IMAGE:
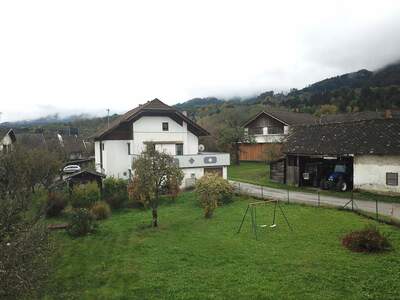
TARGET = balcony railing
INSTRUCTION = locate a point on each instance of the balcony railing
(203, 159)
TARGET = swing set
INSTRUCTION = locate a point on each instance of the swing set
(252, 207)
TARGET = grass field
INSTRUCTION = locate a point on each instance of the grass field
(190, 257)
(258, 173)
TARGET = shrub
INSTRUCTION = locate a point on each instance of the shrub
(101, 210)
(368, 239)
(115, 192)
(84, 196)
(81, 222)
(135, 194)
(55, 203)
(212, 191)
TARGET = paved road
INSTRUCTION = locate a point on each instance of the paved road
(384, 208)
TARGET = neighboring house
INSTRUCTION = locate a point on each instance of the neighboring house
(268, 130)
(7, 140)
(168, 129)
(369, 150)
(75, 148)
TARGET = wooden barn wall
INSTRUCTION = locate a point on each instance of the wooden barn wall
(277, 171)
(260, 152)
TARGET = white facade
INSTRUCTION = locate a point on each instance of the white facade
(370, 172)
(114, 157)
(6, 143)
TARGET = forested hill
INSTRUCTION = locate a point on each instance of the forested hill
(357, 91)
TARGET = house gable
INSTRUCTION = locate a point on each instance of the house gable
(119, 128)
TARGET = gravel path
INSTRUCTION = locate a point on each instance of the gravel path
(384, 208)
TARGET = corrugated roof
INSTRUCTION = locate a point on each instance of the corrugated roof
(362, 137)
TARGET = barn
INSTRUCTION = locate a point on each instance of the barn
(366, 153)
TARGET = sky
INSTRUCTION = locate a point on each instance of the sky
(73, 57)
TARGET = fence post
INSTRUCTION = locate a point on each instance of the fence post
(352, 201)
(376, 207)
(239, 188)
(288, 195)
(319, 199)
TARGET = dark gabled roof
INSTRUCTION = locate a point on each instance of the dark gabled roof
(356, 116)
(81, 173)
(357, 138)
(7, 131)
(285, 117)
(152, 107)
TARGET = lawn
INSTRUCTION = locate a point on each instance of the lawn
(190, 257)
(258, 173)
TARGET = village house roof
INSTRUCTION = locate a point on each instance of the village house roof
(285, 117)
(358, 116)
(380, 137)
(152, 108)
(4, 131)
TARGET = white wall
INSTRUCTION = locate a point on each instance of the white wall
(149, 129)
(116, 160)
(270, 138)
(97, 156)
(370, 172)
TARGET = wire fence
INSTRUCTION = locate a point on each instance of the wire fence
(379, 210)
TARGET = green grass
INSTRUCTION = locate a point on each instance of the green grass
(258, 173)
(190, 257)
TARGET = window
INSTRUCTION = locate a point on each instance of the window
(129, 148)
(165, 126)
(392, 179)
(292, 161)
(179, 149)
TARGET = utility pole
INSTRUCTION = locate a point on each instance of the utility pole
(108, 118)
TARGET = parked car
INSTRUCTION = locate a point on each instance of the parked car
(72, 169)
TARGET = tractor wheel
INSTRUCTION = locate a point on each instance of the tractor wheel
(342, 185)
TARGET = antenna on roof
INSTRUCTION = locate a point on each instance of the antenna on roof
(108, 118)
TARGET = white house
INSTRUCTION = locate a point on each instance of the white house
(7, 140)
(170, 130)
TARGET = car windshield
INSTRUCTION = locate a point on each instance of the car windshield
(340, 168)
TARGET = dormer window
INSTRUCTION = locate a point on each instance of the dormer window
(165, 126)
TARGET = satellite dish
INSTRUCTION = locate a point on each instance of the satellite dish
(201, 148)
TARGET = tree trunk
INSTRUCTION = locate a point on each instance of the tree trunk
(155, 217)
(237, 153)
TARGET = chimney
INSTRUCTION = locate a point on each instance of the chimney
(387, 114)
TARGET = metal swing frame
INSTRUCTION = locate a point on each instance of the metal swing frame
(253, 214)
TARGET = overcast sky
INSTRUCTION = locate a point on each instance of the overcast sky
(82, 56)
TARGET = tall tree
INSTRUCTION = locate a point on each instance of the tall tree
(24, 240)
(154, 172)
(232, 133)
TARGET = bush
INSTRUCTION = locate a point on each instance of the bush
(81, 222)
(368, 239)
(115, 192)
(84, 196)
(55, 204)
(135, 193)
(101, 210)
(213, 190)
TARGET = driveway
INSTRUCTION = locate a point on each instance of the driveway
(384, 208)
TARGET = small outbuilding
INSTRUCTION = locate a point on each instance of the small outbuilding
(365, 155)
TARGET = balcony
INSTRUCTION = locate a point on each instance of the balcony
(200, 160)
(203, 159)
